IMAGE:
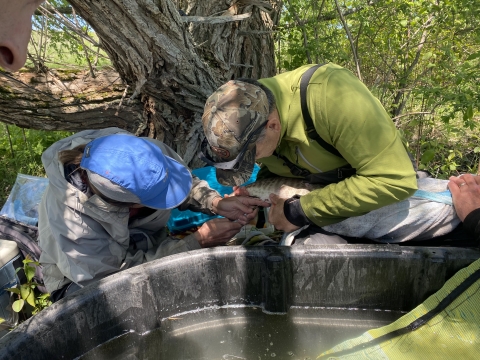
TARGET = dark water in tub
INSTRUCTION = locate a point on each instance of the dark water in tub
(236, 333)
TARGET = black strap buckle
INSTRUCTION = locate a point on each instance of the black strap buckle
(343, 173)
(298, 171)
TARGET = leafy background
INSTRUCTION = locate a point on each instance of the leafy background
(420, 58)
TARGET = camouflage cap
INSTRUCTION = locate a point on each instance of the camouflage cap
(231, 117)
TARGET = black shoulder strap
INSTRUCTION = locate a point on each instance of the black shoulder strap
(311, 132)
(294, 169)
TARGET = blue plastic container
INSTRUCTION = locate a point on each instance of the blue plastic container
(184, 220)
(26, 194)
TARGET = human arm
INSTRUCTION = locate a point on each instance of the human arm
(83, 251)
(277, 216)
(241, 208)
(465, 191)
(349, 117)
(203, 198)
(212, 233)
(216, 232)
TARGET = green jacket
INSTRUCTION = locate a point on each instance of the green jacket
(346, 115)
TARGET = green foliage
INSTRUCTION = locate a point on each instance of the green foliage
(20, 152)
(26, 292)
(420, 58)
(64, 41)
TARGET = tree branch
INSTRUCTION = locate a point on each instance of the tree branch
(350, 39)
(66, 10)
(304, 33)
(36, 101)
(333, 15)
(214, 19)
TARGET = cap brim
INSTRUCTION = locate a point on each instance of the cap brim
(177, 190)
(244, 172)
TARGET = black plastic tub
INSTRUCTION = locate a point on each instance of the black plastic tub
(385, 279)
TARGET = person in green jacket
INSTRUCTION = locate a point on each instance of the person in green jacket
(261, 121)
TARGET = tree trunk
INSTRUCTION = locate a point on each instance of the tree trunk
(170, 62)
(66, 100)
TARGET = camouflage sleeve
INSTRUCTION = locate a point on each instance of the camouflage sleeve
(200, 198)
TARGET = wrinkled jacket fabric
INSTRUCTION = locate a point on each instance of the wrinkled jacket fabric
(346, 115)
(84, 239)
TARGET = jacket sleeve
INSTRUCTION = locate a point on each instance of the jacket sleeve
(350, 118)
(80, 249)
(84, 260)
(159, 245)
(201, 196)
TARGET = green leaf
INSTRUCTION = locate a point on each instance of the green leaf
(18, 305)
(44, 296)
(476, 150)
(453, 167)
(474, 56)
(404, 23)
(27, 294)
(29, 272)
(14, 290)
(470, 111)
(427, 156)
(427, 55)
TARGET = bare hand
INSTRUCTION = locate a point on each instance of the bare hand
(276, 217)
(240, 191)
(465, 191)
(216, 232)
(240, 208)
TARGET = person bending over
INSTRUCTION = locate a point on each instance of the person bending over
(107, 203)
(350, 139)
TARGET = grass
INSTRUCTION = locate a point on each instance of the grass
(20, 152)
(446, 149)
(61, 50)
(21, 149)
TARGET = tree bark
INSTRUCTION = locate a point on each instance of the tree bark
(171, 63)
(66, 100)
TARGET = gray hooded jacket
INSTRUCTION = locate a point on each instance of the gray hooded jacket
(84, 239)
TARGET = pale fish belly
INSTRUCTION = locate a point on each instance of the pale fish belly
(282, 186)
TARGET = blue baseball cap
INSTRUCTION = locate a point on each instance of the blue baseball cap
(132, 169)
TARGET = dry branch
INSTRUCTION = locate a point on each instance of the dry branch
(214, 19)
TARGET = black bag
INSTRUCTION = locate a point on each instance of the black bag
(26, 238)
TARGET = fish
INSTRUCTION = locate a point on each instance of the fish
(284, 187)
